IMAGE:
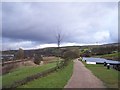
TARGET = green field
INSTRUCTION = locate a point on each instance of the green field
(55, 80)
(113, 56)
(109, 77)
(23, 72)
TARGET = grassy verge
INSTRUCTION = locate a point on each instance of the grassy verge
(109, 77)
(54, 80)
(23, 72)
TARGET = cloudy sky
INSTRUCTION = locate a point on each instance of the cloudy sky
(32, 25)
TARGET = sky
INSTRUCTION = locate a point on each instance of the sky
(33, 25)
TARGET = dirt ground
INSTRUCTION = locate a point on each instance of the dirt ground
(83, 78)
(49, 59)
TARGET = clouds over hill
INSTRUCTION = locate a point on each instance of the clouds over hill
(30, 25)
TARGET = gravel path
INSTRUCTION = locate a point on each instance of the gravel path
(83, 78)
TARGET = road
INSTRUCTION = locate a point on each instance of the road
(83, 78)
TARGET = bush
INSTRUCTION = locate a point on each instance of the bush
(71, 54)
(20, 54)
(37, 59)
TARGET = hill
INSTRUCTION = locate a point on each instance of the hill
(53, 51)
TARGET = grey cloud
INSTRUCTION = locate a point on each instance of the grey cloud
(78, 22)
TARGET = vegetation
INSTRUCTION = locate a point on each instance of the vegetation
(53, 51)
(85, 52)
(37, 59)
(104, 49)
(23, 72)
(49, 59)
(71, 54)
(54, 80)
(113, 56)
(108, 76)
(20, 54)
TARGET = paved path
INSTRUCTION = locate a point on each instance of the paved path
(83, 78)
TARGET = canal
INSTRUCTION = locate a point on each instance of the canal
(113, 64)
(100, 60)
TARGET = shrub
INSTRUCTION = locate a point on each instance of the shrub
(70, 54)
(37, 59)
(20, 54)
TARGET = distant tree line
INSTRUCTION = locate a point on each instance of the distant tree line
(53, 51)
(104, 50)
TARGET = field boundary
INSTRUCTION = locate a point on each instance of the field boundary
(9, 65)
(33, 77)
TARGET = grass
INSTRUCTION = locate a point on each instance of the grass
(109, 77)
(54, 80)
(23, 72)
(110, 56)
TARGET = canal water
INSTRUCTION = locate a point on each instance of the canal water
(100, 60)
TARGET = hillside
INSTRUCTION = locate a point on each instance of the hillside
(53, 51)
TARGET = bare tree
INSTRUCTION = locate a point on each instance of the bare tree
(59, 39)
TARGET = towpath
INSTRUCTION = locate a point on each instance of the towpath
(83, 78)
